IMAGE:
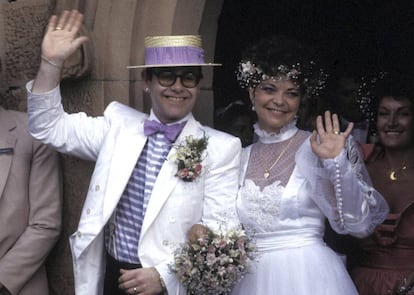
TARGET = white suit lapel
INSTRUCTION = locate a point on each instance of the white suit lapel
(128, 147)
(166, 180)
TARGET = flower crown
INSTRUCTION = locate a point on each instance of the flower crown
(313, 80)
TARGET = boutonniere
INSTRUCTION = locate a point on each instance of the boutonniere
(189, 157)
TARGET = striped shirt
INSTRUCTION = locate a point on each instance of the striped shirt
(123, 239)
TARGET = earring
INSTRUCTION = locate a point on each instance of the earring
(146, 89)
(252, 101)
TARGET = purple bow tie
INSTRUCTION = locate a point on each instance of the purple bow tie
(170, 131)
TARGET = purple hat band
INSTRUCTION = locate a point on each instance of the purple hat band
(173, 51)
(174, 55)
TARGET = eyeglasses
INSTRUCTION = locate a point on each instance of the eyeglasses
(168, 78)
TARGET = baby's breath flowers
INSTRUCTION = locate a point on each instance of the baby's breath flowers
(213, 264)
(189, 157)
(313, 79)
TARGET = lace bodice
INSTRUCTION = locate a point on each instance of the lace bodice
(302, 190)
(278, 208)
(260, 209)
(281, 151)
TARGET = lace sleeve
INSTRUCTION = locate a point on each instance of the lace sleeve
(343, 190)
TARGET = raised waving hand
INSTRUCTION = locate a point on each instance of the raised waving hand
(59, 42)
(327, 141)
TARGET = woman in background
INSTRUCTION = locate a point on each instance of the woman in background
(386, 263)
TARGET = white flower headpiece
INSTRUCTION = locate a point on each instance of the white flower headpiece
(312, 79)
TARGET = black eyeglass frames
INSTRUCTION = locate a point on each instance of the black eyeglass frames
(168, 78)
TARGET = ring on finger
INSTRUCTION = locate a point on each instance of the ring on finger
(58, 28)
(135, 289)
(337, 132)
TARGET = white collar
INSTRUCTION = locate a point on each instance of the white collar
(152, 116)
(285, 133)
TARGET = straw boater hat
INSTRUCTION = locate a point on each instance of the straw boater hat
(173, 51)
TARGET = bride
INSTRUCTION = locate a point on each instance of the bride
(293, 180)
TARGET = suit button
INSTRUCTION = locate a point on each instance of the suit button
(79, 234)
(88, 211)
(97, 187)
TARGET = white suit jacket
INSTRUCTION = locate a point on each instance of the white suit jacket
(115, 142)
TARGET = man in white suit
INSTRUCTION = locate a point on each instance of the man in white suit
(138, 210)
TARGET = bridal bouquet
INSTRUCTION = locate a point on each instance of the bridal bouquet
(214, 263)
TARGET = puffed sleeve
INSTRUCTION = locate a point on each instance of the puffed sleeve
(343, 190)
(222, 183)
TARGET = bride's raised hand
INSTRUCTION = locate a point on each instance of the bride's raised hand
(327, 141)
(61, 38)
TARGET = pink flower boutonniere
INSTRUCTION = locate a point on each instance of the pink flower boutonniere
(189, 157)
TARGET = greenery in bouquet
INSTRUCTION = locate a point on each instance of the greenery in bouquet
(189, 157)
(214, 263)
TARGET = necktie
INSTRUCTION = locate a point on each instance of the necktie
(170, 131)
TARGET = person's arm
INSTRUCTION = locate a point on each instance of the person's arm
(358, 206)
(60, 41)
(222, 184)
(339, 182)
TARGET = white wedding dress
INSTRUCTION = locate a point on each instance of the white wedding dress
(286, 214)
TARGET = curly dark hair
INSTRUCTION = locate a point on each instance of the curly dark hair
(395, 85)
(282, 56)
